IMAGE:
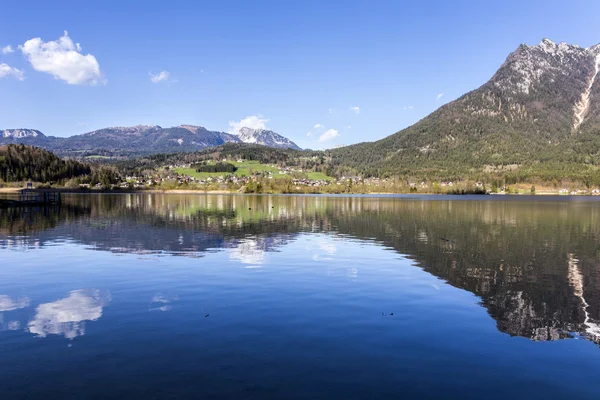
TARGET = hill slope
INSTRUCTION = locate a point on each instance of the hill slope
(26, 163)
(539, 110)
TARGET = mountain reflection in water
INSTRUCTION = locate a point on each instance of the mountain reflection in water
(534, 262)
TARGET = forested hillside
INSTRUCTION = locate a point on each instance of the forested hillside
(27, 163)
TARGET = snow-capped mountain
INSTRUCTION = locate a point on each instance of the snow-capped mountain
(266, 138)
(20, 133)
(143, 139)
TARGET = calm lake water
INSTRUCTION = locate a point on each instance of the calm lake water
(301, 297)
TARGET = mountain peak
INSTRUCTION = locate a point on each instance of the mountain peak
(247, 130)
(547, 43)
(140, 127)
(20, 133)
(135, 130)
(192, 128)
(527, 68)
(265, 137)
(550, 47)
(595, 49)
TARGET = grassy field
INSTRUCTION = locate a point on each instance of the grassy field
(200, 175)
(246, 168)
(318, 176)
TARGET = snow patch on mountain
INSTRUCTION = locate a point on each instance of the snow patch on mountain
(20, 133)
(266, 138)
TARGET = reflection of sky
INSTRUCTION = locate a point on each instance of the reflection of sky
(325, 250)
(247, 252)
(258, 244)
(8, 304)
(67, 316)
(160, 302)
(8, 325)
(252, 251)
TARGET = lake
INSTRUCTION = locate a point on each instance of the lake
(301, 297)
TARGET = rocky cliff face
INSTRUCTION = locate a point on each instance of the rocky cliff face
(549, 81)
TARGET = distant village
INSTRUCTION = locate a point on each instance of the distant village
(167, 176)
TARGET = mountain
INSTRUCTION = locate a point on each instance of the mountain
(265, 138)
(20, 133)
(146, 139)
(142, 139)
(539, 113)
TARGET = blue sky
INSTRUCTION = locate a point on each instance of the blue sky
(346, 71)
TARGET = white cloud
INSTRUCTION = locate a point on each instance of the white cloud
(160, 77)
(408, 107)
(309, 134)
(319, 126)
(355, 109)
(331, 111)
(439, 96)
(328, 135)
(7, 49)
(252, 121)
(6, 71)
(63, 60)
(349, 126)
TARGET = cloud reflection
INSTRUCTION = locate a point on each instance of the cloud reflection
(14, 325)
(67, 316)
(8, 326)
(327, 248)
(248, 251)
(8, 304)
(161, 302)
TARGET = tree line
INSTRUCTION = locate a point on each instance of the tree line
(22, 163)
(19, 163)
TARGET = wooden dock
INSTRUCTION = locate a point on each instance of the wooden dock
(28, 197)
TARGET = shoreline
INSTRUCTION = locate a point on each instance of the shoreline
(196, 191)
